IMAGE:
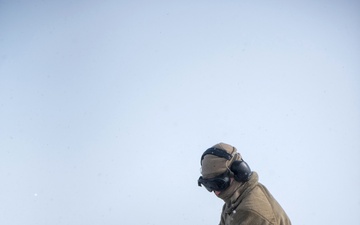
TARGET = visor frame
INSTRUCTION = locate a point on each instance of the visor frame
(218, 183)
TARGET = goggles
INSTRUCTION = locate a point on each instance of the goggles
(218, 183)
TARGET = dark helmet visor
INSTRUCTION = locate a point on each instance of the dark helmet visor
(218, 183)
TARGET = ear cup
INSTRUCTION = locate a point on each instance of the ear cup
(241, 170)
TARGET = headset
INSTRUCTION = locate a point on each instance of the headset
(239, 168)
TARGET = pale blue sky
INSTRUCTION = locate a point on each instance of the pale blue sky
(107, 106)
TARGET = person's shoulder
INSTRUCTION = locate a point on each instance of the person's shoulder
(257, 203)
(250, 216)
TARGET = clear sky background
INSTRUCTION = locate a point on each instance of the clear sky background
(107, 106)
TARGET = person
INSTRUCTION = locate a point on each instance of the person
(247, 201)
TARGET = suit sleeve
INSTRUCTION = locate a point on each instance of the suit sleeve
(222, 219)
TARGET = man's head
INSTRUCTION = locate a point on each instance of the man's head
(219, 164)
